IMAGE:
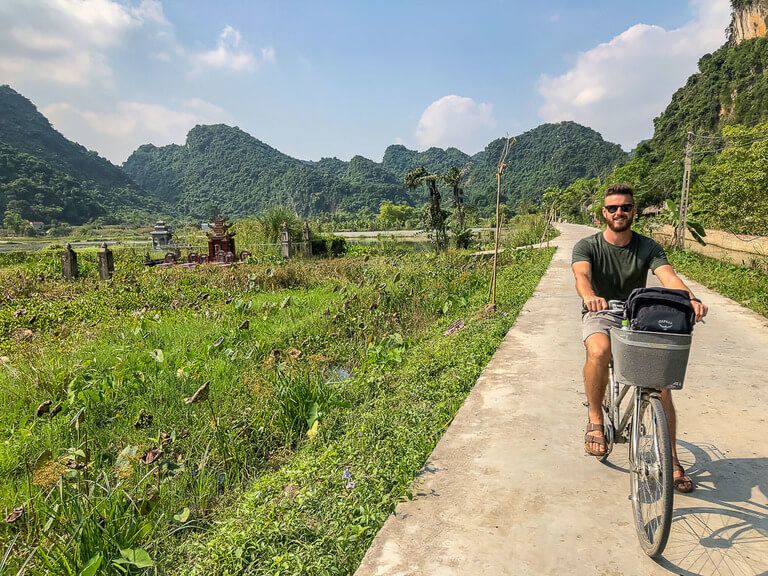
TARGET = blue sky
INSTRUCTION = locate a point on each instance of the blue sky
(338, 78)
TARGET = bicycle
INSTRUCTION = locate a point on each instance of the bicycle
(643, 424)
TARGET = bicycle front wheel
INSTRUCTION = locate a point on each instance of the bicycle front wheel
(651, 476)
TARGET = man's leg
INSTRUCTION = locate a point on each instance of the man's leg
(669, 408)
(598, 347)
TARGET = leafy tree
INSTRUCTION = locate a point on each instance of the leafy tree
(13, 222)
(393, 215)
(271, 223)
(733, 192)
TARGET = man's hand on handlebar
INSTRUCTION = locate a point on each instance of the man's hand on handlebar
(699, 309)
(595, 304)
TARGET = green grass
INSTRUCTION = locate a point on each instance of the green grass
(251, 479)
(747, 286)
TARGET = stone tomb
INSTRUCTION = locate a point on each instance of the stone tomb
(161, 235)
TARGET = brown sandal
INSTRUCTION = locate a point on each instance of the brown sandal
(684, 483)
(599, 440)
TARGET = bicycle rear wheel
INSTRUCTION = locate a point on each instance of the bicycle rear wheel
(651, 476)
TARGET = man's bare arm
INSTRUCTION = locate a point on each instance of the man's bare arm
(582, 271)
(669, 279)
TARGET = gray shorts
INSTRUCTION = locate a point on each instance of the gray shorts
(599, 322)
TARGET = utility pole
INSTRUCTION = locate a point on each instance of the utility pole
(679, 240)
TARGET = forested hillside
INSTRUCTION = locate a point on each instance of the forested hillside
(223, 168)
(44, 176)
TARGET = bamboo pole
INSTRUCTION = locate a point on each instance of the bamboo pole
(499, 171)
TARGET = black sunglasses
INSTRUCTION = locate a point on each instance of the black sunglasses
(624, 208)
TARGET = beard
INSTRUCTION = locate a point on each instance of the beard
(621, 225)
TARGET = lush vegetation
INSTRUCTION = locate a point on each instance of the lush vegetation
(224, 169)
(316, 387)
(45, 177)
(726, 105)
(747, 286)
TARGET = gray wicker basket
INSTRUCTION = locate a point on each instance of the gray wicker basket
(650, 359)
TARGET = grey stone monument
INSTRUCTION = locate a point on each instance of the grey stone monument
(285, 241)
(161, 236)
(306, 235)
(69, 263)
(106, 262)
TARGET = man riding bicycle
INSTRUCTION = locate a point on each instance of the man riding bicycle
(608, 266)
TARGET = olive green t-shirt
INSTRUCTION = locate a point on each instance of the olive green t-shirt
(617, 270)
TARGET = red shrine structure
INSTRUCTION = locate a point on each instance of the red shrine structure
(220, 240)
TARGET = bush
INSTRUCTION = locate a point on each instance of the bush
(331, 246)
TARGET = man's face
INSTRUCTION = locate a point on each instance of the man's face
(617, 218)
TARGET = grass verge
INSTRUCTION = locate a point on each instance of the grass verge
(747, 286)
(319, 513)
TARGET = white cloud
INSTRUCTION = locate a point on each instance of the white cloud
(618, 87)
(118, 132)
(268, 54)
(68, 41)
(231, 53)
(455, 121)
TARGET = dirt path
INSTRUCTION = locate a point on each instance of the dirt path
(508, 489)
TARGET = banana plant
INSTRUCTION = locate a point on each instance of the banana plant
(671, 216)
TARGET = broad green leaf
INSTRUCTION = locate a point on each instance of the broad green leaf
(138, 557)
(92, 567)
(182, 516)
(312, 414)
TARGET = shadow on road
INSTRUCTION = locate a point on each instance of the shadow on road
(728, 533)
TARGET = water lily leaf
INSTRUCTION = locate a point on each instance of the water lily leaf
(182, 516)
(137, 557)
(92, 566)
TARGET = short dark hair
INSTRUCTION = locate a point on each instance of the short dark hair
(620, 188)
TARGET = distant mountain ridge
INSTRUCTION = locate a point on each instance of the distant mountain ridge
(219, 168)
(224, 168)
(45, 176)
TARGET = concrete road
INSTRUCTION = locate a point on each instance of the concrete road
(508, 489)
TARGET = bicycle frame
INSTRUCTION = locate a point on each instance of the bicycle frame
(621, 432)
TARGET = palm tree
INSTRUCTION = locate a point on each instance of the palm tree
(435, 223)
(454, 178)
